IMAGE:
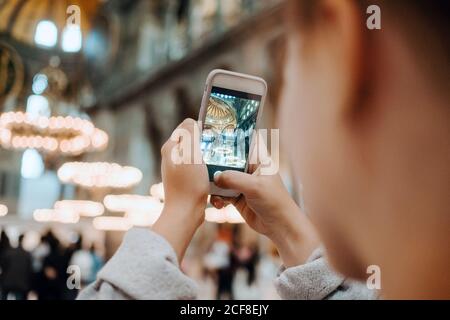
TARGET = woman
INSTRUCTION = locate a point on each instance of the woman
(365, 120)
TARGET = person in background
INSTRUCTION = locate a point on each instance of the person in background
(220, 263)
(4, 246)
(365, 120)
(17, 272)
(39, 255)
(68, 258)
(245, 257)
(248, 257)
(52, 283)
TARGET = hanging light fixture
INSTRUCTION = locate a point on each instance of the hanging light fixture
(51, 121)
(140, 211)
(56, 215)
(66, 135)
(99, 174)
(131, 202)
(82, 207)
(142, 219)
(112, 223)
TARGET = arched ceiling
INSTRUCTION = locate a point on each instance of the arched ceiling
(19, 18)
(220, 114)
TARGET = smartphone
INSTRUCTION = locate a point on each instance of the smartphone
(230, 113)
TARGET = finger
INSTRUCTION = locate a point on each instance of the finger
(220, 202)
(177, 136)
(168, 147)
(191, 128)
(239, 203)
(256, 170)
(235, 180)
(217, 202)
(252, 168)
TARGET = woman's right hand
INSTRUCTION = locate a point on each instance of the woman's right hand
(268, 208)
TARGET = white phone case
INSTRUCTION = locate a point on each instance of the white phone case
(239, 82)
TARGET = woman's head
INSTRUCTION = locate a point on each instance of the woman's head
(366, 121)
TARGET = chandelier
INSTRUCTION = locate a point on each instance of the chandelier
(142, 219)
(131, 202)
(66, 135)
(112, 224)
(56, 215)
(52, 120)
(69, 211)
(82, 207)
(99, 175)
(141, 211)
(138, 211)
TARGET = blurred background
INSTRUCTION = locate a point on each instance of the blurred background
(89, 92)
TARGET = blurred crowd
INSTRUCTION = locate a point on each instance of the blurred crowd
(238, 269)
(43, 273)
(229, 269)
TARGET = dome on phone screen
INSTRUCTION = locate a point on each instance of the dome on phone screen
(220, 115)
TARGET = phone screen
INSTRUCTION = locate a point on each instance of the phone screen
(228, 129)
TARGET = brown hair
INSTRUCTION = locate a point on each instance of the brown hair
(432, 13)
(425, 25)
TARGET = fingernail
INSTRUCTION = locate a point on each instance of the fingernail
(217, 174)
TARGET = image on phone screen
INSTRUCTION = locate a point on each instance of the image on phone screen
(228, 129)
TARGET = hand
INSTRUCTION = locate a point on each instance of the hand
(186, 187)
(267, 207)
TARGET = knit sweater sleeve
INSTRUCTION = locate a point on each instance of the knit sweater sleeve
(315, 280)
(145, 267)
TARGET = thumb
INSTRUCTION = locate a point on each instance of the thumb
(236, 180)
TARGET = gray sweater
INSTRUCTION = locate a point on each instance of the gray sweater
(146, 267)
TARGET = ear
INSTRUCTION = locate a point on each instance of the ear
(341, 41)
